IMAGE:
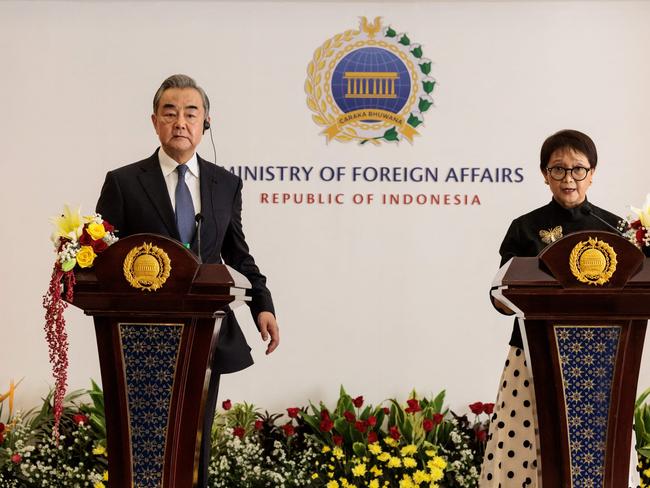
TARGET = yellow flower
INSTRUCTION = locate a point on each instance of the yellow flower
(406, 482)
(105, 475)
(408, 450)
(439, 462)
(394, 462)
(644, 212)
(96, 231)
(390, 441)
(99, 484)
(338, 453)
(373, 484)
(314, 476)
(332, 484)
(384, 456)
(99, 450)
(409, 462)
(86, 256)
(375, 448)
(326, 449)
(68, 224)
(436, 473)
(430, 452)
(359, 470)
(421, 477)
(376, 471)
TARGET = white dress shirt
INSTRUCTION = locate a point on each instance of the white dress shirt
(168, 166)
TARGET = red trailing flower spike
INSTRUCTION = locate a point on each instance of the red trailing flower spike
(56, 336)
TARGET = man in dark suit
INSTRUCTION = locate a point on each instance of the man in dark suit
(162, 194)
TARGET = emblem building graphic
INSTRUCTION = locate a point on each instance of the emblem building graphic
(369, 85)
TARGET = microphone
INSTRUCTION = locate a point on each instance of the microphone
(589, 211)
(199, 220)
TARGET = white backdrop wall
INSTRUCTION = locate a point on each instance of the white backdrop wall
(379, 298)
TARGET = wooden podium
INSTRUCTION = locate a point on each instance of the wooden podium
(584, 341)
(157, 313)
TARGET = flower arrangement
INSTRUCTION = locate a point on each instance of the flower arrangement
(30, 457)
(637, 228)
(77, 242)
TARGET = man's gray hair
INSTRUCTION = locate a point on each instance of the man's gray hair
(181, 81)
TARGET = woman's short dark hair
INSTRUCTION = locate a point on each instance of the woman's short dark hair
(568, 139)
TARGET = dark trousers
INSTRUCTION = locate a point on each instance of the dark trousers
(208, 419)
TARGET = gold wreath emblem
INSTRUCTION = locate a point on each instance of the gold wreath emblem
(147, 267)
(593, 261)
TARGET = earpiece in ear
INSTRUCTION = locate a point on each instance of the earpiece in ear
(206, 125)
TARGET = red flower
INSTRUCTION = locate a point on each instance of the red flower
(108, 227)
(16, 458)
(394, 432)
(324, 414)
(349, 416)
(476, 408)
(372, 437)
(428, 425)
(2, 427)
(239, 432)
(437, 418)
(80, 418)
(481, 435)
(288, 429)
(636, 224)
(386, 410)
(488, 408)
(2, 438)
(372, 421)
(326, 425)
(337, 439)
(360, 426)
(227, 405)
(413, 406)
(293, 412)
(640, 235)
(259, 425)
(98, 245)
(358, 401)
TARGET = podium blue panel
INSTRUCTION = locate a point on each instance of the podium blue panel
(150, 354)
(587, 360)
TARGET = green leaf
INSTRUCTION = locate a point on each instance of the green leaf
(428, 86)
(69, 265)
(391, 134)
(413, 121)
(417, 52)
(641, 398)
(424, 105)
(359, 449)
(404, 40)
(425, 67)
(439, 401)
(390, 32)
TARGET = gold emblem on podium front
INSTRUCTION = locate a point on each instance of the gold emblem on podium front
(593, 261)
(147, 267)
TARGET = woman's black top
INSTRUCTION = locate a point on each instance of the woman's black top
(529, 234)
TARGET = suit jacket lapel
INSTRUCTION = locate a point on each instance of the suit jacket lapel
(153, 182)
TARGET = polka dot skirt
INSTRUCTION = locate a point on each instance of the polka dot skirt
(511, 454)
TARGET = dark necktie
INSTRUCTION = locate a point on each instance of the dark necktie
(184, 207)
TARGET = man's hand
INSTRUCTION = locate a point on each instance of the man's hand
(269, 327)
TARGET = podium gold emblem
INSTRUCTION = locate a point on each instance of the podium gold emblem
(593, 261)
(147, 267)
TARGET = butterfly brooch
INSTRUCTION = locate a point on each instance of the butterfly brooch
(551, 235)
